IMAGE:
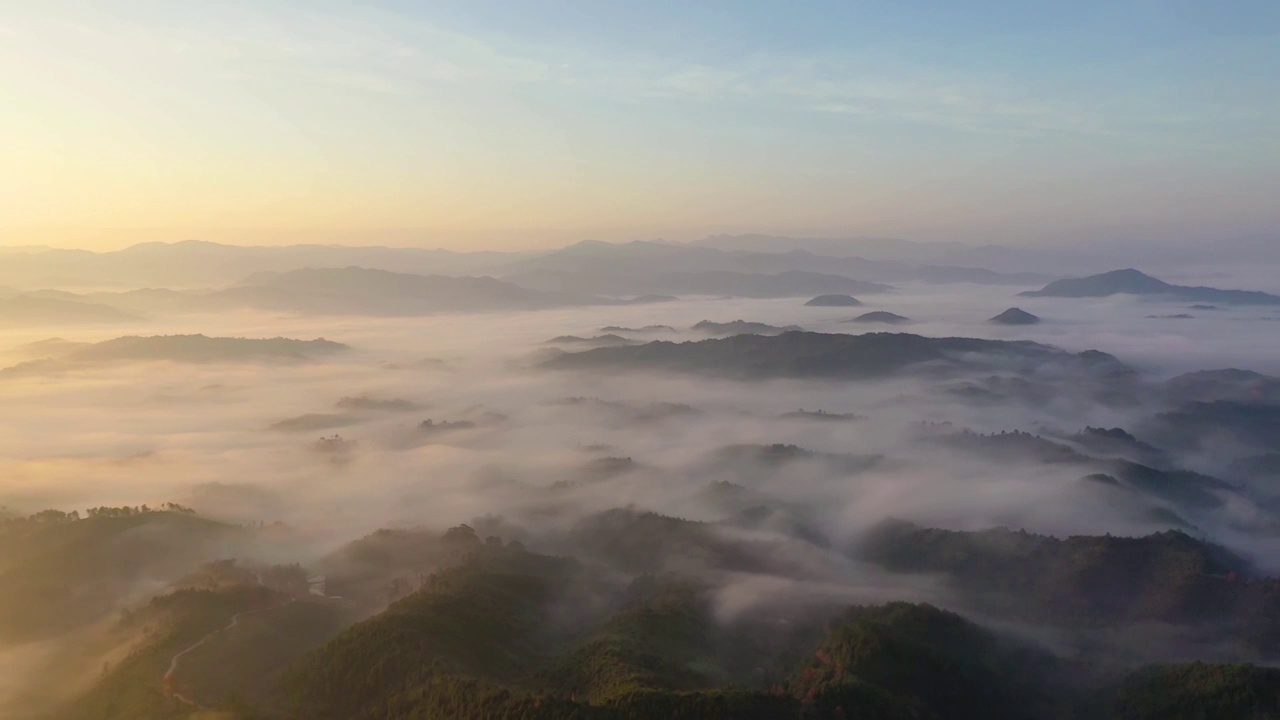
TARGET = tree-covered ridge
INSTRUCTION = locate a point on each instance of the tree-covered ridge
(59, 571)
(487, 629)
(819, 355)
(1246, 426)
(1167, 577)
(898, 661)
(484, 618)
(1191, 692)
(919, 660)
(195, 349)
(640, 542)
(245, 662)
(470, 644)
(201, 348)
(137, 687)
(660, 639)
(14, 521)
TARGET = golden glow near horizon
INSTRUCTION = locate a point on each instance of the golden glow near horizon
(273, 122)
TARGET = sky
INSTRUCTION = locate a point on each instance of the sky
(474, 124)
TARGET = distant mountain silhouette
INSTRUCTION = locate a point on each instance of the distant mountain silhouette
(359, 291)
(184, 349)
(622, 264)
(739, 327)
(346, 291)
(1133, 282)
(834, 301)
(620, 277)
(887, 248)
(200, 348)
(50, 348)
(194, 263)
(144, 300)
(594, 268)
(29, 311)
(1015, 316)
(881, 316)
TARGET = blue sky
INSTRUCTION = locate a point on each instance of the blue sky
(516, 124)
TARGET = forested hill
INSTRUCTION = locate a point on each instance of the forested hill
(494, 638)
(480, 628)
(820, 355)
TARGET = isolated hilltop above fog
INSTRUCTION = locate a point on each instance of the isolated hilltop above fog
(1015, 316)
(1133, 282)
(881, 316)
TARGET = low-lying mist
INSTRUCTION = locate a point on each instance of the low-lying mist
(436, 421)
(220, 435)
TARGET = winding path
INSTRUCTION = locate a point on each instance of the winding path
(167, 682)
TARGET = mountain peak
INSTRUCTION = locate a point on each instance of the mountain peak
(1130, 274)
(588, 246)
(1015, 316)
(1127, 281)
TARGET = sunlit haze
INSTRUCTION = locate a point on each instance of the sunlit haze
(596, 360)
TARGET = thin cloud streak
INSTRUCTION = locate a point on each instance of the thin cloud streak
(384, 54)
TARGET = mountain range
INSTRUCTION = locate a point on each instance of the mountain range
(29, 311)
(200, 264)
(338, 291)
(1077, 257)
(592, 267)
(360, 291)
(625, 279)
